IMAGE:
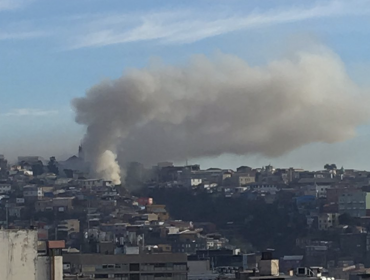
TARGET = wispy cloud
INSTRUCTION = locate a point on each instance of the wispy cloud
(21, 35)
(23, 112)
(181, 27)
(12, 4)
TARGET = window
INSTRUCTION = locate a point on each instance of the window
(163, 276)
(180, 266)
(147, 276)
(147, 267)
(179, 276)
(160, 266)
(134, 276)
(101, 276)
(121, 276)
(134, 267)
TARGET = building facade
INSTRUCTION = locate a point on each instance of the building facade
(328, 220)
(21, 259)
(127, 267)
(353, 203)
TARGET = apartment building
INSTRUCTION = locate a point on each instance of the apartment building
(353, 203)
(127, 267)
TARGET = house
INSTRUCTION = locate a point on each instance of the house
(44, 205)
(32, 192)
(5, 188)
(321, 190)
(245, 179)
(63, 204)
(15, 211)
(328, 220)
(159, 210)
(264, 187)
(69, 226)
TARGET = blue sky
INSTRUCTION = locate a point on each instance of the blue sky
(53, 51)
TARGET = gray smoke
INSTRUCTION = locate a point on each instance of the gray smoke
(220, 105)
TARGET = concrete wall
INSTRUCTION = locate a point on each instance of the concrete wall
(58, 269)
(201, 266)
(43, 268)
(18, 256)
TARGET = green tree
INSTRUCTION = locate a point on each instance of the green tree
(330, 166)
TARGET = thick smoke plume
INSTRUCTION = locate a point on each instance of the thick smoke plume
(221, 105)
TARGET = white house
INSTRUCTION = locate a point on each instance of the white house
(32, 192)
(321, 190)
(5, 188)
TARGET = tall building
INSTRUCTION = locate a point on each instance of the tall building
(23, 257)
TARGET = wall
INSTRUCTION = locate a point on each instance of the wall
(246, 179)
(71, 225)
(44, 268)
(321, 190)
(18, 254)
(58, 267)
(367, 200)
(353, 203)
(201, 266)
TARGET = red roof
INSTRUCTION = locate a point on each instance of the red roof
(56, 244)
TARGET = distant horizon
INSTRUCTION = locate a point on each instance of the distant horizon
(203, 164)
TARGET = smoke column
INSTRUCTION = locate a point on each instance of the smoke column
(219, 105)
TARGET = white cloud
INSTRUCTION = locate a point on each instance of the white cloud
(22, 112)
(180, 27)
